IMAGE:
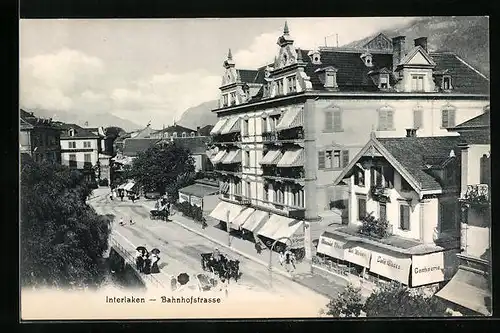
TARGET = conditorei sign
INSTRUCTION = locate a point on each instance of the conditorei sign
(390, 266)
(331, 247)
(183, 197)
(357, 255)
(427, 269)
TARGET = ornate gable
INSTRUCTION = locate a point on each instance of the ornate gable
(288, 54)
(379, 42)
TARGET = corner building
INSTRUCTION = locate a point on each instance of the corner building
(288, 129)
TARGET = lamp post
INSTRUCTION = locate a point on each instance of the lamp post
(271, 258)
(228, 230)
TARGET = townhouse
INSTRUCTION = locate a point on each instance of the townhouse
(39, 138)
(286, 130)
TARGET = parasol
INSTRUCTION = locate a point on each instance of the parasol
(183, 278)
(141, 249)
(155, 251)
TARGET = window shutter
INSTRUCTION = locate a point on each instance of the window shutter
(382, 120)
(345, 158)
(337, 120)
(389, 120)
(444, 118)
(404, 217)
(451, 118)
(321, 160)
(328, 121)
(361, 208)
(417, 118)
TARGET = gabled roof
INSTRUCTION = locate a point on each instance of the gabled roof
(132, 146)
(413, 52)
(175, 128)
(464, 78)
(80, 132)
(408, 156)
(481, 121)
(251, 76)
(28, 121)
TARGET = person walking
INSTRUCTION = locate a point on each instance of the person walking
(121, 221)
(281, 258)
(131, 222)
(289, 261)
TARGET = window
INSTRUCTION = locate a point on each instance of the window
(72, 144)
(292, 84)
(382, 176)
(382, 211)
(417, 117)
(266, 192)
(174, 134)
(264, 125)
(448, 213)
(280, 194)
(245, 127)
(330, 80)
(385, 119)
(333, 159)
(384, 81)
(72, 161)
(237, 187)
(361, 208)
(273, 122)
(404, 217)
(247, 189)
(359, 177)
(279, 84)
(405, 186)
(87, 158)
(233, 98)
(448, 117)
(86, 144)
(417, 83)
(71, 132)
(298, 197)
(247, 158)
(184, 134)
(446, 83)
(485, 170)
(225, 100)
(337, 121)
(328, 121)
(192, 134)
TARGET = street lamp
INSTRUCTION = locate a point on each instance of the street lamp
(271, 258)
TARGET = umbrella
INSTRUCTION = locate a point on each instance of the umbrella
(141, 248)
(183, 278)
(155, 251)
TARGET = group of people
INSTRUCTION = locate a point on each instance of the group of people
(122, 223)
(147, 262)
(120, 193)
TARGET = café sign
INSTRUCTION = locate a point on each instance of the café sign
(393, 267)
(357, 255)
(195, 201)
(331, 247)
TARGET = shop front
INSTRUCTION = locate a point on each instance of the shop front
(286, 231)
(391, 265)
(199, 195)
(226, 212)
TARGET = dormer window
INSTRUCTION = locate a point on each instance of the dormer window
(71, 132)
(233, 98)
(367, 59)
(225, 100)
(446, 83)
(292, 84)
(174, 135)
(184, 134)
(192, 134)
(384, 81)
(315, 57)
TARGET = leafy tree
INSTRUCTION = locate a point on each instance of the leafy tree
(347, 304)
(395, 300)
(161, 167)
(62, 238)
(113, 131)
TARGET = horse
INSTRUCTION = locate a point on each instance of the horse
(233, 269)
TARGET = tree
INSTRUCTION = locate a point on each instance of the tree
(112, 133)
(348, 303)
(62, 238)
(161, 166)
(395, 300)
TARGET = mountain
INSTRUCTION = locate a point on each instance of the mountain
(200, 115)
(94, 120)
(466, 36)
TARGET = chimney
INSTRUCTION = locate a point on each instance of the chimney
(198, 130)
(422, 42)
(398, 49)
(411, 132)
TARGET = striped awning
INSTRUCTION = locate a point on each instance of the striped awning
(292, 158)
(128, 186)
(255, 220)
(218, 126)
(219, 156)
(293, 117)
(234, 156)
(242, 217)
(225, 210)
(288, 228)
(271, 226)
(233, 125)
(272, 157)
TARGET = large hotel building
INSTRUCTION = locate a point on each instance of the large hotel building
(287, 130)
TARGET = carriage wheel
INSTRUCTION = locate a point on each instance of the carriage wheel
(301, 253)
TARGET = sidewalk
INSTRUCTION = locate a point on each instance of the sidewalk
(320, 280)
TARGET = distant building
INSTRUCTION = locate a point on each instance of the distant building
(197, 146)
(469, 291)
(175, 131)
(39, 138)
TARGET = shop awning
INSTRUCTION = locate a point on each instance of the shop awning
(219, 156)
(272, 157)
(128, 186)
(221, 211)
(199, 190)
(468, 288)
(242, 217)
(289, 228)
(292, 118)
(234, 156)
(218, 126)
(255, 220)
(278, 226)
(292, 158)
(233, 125)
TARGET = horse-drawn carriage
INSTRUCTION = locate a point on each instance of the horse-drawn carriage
(157, 214)
(222, 266)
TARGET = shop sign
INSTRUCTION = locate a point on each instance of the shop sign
(298, 238)
(183, 197)
(393, 267)
(427, 269)
(331, 247)
(196, 201)
(357, 255)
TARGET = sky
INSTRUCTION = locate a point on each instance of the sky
(152, 70)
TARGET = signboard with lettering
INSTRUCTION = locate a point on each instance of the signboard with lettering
(196, 201)
(394, 267)
(357, 255)
(298, 238)
(427, 268)
(183, 197)
(331, 247)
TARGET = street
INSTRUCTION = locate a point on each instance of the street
(181, 249)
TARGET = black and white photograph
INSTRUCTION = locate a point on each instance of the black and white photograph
(288, 167)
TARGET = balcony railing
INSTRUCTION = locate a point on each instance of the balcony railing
(380, 193)
(291, 136)
(243, 199)
(290, 173)
(478, 194)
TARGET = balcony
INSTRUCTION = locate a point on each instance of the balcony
(295, 135)
(274, 172)
(380, 193)
(242, 199)
(227, 139)
(476, 195)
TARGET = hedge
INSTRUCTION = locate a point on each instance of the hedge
(191, 211)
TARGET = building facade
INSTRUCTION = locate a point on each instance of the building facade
(470, 289)
(288, 129)
(39, 138)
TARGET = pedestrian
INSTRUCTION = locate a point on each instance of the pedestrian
(131, 223)
(121, 221)
(289, 261)
(281, 258)
(139, 261)
(154, 264)
(258, 246)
